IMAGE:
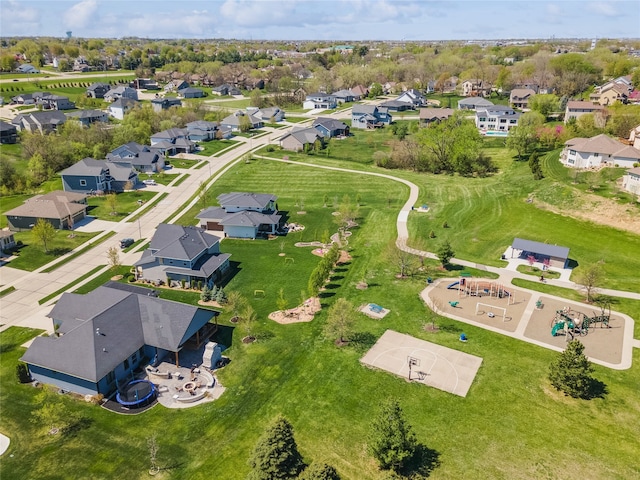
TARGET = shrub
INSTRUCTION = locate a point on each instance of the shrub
(22, 373)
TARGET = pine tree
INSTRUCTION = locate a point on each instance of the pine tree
(276, 455)
(205, 295)
(391, 440)
(221, 297)
(320, 471)
(571, 371)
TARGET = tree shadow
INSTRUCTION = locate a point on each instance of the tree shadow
(596, 389)
(326, 294)
(422, 464)
(571, 263)
(58, 252)
(332, 286)
(335, 278)
(77, 425)
(449, 328)
(232, 271)
(363, 340)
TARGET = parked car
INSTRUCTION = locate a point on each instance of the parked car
(126, 242)
(149, 182)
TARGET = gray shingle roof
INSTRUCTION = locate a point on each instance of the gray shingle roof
(104, 327)
(246, 199)
(180, 243)
(249, 219)
(541, 248)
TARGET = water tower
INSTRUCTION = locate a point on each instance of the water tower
(69, 34)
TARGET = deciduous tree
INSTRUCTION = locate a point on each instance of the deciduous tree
(43, 231)
(340, 320)
(590, 279)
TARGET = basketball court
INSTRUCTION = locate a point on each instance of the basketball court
(424, 362)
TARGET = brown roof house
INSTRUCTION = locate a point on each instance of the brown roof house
(599, 150)
(520, 97)
(60, 209)
(434, 115)
(577, 108)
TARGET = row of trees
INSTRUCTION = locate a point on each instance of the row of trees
(391, 441)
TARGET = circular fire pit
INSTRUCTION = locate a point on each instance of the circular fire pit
(190, 387)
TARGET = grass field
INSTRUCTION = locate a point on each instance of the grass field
(215, 146)
(512, 424)
(31, 254)
(127, 202)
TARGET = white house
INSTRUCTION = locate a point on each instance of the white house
(577, 108)
(599, 150)
(319, 100)
(496, 118)
(631, 181)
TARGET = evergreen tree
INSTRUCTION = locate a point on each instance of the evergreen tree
(445, 253)
(205, 295)
(571, 371)
(320, 471)
(391, 440)
(221, 297)
(276, 455)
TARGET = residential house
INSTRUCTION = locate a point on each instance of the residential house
(176, 85)
(121, 92)
(576, 108)
(103, 336)
(60, 209)
(91, 175)
(344, 96)
(360, 91)
(87, 117)
(268, 114)
(7, 240)
(8, 133)
(412, 97)
(225, 89)
(330, 127)
(140, 157)
(611, 93)
(144, 84)
(191, 92)
(390, 87)
(298, 140)
(429, 116)
(474, 103)
(396, 106)
(599, 150)
(631, 181)
(98, 90)
(27, 68)
(529, 85)
(319, 100)
(431, 87)
(26, 98)
(236, 120)
(172, 141)
(449, 85)
(496, 118)
(243, 215)
(475, 87)
(120, 107)
(519, 97)
(201, 130)
(178, 253)
(43, 122)
(369, 116)
(56, 102)
(159, 104)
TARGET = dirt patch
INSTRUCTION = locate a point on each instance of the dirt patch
(602, 211)
(301, 313)
(210, 303)
(115, 278)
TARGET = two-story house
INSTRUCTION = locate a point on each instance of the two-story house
(120, 107)
(497, 118)
(91, 175)
(121, 92)
(330, 127)
(369, 116)
(172, 141)
(599, 150)
(243, 215)
(43, 122)
(320, 100)
(140, 157)
(178, 253)
(519, 97)
(576, 108)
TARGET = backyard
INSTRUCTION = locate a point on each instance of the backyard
(512, 424)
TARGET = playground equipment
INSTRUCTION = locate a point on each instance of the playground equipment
(490, 313)
(571, 323)
(463, 337)
(453, 304)
(477, 288)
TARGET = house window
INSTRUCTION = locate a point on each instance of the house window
(596, 154)
(126, 364)
(134, 358)
(83, 183)
(111, 376)
(572, 152)
(483, 119)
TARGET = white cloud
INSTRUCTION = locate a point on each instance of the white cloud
(16, 18)
(162, 25)
(81, 14)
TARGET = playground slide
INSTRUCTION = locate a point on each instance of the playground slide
(452, 285)
(559, 326)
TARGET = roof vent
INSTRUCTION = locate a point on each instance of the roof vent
(104, 350)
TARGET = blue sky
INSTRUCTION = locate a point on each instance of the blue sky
(322, 19)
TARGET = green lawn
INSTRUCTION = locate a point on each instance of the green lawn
(297, 119)
(127, 202)
(214, 146)
(512, 424)
(536, 272)
(161, 178)
(238, 103)
(31, 254)
(182, 162)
